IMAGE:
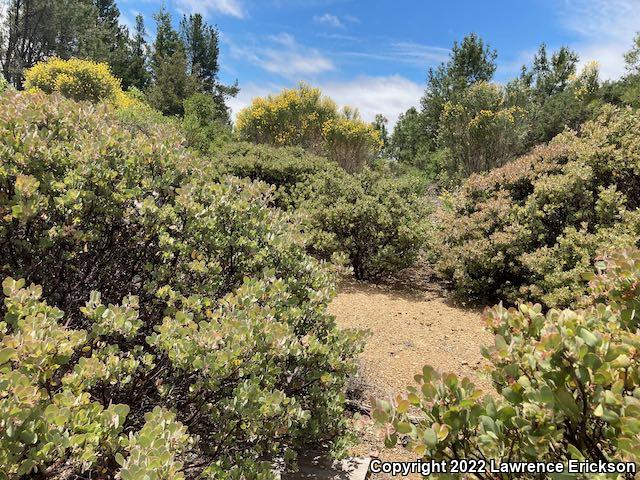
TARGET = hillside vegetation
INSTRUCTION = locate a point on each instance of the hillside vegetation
(159, 321)
(166, 274)
(532, 229)
(566, 381)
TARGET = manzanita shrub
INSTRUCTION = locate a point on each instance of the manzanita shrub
(567, 384)
(373, 220)
(286, 168)
(51, 412)
(377, 221)
(157, 323)
(531, 229)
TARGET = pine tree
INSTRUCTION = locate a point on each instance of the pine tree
(137, 74)
(167, 41)
(29, 36)
(201, 49)
(469, 62)
(380, 126)
(171, 84)
(172, 81)
(100, 36)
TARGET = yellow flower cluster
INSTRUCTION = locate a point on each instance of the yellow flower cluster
(348, 130)
(292, 117)
(77, 79)
(304, 117)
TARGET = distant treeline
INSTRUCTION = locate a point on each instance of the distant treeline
(466, 123)
(178, 64)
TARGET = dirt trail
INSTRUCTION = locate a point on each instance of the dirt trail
(409, 328)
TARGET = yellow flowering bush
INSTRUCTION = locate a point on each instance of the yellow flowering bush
(294, 117)
(77, 79)
(480, 130)
(304, 117)
(350, 142)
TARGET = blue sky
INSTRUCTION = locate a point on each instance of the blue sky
(374, 54)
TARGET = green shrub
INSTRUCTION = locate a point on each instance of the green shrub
(283, 167)
(136, 94)
(567, 383)
(377, 221)
(532, 228)
(206, 123)
(3, 83)
(373, 218)
(210, 313)
(139, 117)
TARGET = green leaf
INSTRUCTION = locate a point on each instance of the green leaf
(574, 452)
(380, 416)
(403, 427)
(567, 402)
(390, 440)
(588, 337)
(402, 406)
(120, 460)
(598, 411)
(430, 437)
(6, 354)
(442, 432)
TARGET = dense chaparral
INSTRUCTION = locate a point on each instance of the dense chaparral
(159, 322)
(166, 272)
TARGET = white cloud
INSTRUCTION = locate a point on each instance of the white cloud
(606, 28)
(328, 19)
(390, 96)
(418, 53)
(404, 52)
(232, 8)
(248, 92)
(285, 57)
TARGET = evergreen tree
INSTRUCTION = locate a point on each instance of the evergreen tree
(549, 76)
(29, 36)
(172, 85)
(552, 103)
(137, 74)
(380, 126)
(172, 81)
(406, 139)
(630, 83)
(75, 24)
(167, 42)
(201, 49)
(36, 29)
(100, 37)
(469, 62)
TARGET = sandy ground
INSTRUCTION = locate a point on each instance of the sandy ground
(409, 328)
